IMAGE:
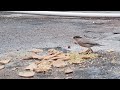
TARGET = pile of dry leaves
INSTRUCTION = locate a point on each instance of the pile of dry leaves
(54, 58)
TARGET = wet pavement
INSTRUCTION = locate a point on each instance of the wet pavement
(23, 32)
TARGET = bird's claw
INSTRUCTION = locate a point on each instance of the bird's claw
(89, 51)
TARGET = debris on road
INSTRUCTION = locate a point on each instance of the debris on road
(2, 66)
(26, 74)
(68, 70)
(36, 50)
(53, 59)
(59, 63)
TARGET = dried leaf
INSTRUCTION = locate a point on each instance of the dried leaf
(53, 51)
(68, 70)
(43, 66)
(68, 78)
(66, 58)
(110, 50)
(61, 56)
(51, 56)
(36, 50)
(75, 61)
(59, 63)
(88, 56)
(27, 55)
(26, 74)
(2, 66)
(35, 56)
(4, 61)
(57, 78)
(31, 67)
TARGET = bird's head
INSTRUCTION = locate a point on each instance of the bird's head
(77, 37)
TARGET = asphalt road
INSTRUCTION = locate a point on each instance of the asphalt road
(23, 32)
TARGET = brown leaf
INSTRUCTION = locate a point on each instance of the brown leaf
(43, 66)
(2, 66)
(4, 61)
(68, 70)
(31, 67)
(61, 56)
(51, 56)
(53, 51)
(35, 56)
(57, 78)
(27, 55)
(66, 58)
(68, 78)
(36, 50)
(59, 63)
(110, 50)
(85, 57)
(26, 74)
(76, 61)
(76, 58)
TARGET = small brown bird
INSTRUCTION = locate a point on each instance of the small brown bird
(85, 43)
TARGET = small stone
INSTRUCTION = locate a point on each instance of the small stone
(69, 47)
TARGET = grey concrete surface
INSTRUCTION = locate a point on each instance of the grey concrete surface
(22, 32)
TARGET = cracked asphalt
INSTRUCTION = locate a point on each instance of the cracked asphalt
(24, 32)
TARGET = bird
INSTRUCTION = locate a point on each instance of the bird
(84, 42)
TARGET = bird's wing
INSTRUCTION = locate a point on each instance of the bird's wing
(86, 41)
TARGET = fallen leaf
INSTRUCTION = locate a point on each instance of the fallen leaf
(27, 55)
(26, 74)
(68, 70)
(43, 66)
(68, 78)
(110, 50)
(76, 61)
(53, 51)
(35, 56)
(59, 63)
(61, 56)
(4, 61)
(76, 58)
(36, 50)
(51, 56)
(2, 66)
(57, 78)
(31, 67)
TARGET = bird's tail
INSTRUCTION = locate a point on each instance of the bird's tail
(99, 45)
